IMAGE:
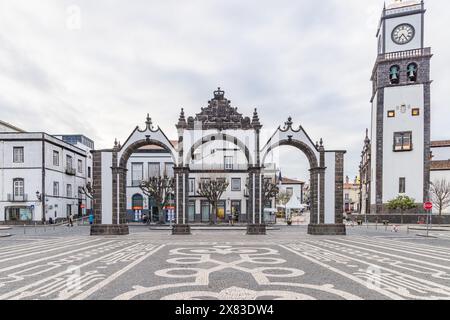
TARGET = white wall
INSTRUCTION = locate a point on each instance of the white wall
(403, 164)
(373, 139)
(330, 187)
(106, 188)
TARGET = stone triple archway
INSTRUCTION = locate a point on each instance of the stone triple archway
(326, 171)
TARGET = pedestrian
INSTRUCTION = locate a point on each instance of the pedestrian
(50, 220)
(71, 220)
(91, 218)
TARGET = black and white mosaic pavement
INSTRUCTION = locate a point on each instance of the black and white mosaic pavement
(226, 265)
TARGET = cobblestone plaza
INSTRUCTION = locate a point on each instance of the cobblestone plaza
(66, 263)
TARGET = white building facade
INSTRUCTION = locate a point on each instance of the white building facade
(40, 177)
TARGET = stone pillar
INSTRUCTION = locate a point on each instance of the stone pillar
(181, 226)
(317, 225)
(339, 188)
(97, 186)
(119, 224)
(255, 223)
(313, 195)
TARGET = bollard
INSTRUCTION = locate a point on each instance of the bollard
(24, 228)
(35, 227)
(45, 226)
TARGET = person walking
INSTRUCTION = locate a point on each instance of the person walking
(91, 219)
(70, 220)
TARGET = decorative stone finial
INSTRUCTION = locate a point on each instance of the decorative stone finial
(116, 144)
(288, 124)
(149, 123)
(255, 120)
(181, 120)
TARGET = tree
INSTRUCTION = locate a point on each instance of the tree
(212, 190)
(160, 189)
(440, 194)
(401, 203)
(270, 190)
(87, 191)
(283, 198)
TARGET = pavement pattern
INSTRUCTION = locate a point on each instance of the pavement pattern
(67, 264)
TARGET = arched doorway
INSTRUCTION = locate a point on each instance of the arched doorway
(220, 156)
(326, 178)
(137, 205)
(317, 177)
(110, 177)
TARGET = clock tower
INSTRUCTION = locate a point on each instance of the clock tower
(400, 131)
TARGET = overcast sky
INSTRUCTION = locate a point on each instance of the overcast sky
(100, 75)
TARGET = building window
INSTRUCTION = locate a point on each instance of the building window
(56, 189)
(347, 196)
(69, 164)
(412, 72)
(228, 162)
(191, 186)
(56, 158)
(18, 156)
(69, 191)
(394, 75)
(415, 112)
(391, 114)
(236, 184)
(154, 170)
(80, 166)
(89, 172)
(402, 141)
(137, 202)
(402, 185)
(191, 211)
(168, 170)
(137, 174)
(19, 188)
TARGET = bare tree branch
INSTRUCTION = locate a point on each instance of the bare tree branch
(159, 189)
(440, 194)
(87, 191)
(212, 190)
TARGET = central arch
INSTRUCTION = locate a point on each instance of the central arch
(219, 137)
(309, 153)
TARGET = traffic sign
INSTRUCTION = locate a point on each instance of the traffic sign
(428, 206)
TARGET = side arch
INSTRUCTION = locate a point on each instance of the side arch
(125, 156)
(309, 153)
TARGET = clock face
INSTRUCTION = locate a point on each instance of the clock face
(403, 34)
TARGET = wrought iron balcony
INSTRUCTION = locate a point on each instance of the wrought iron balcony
(17, 198)
(218, 167)
(71, 171)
